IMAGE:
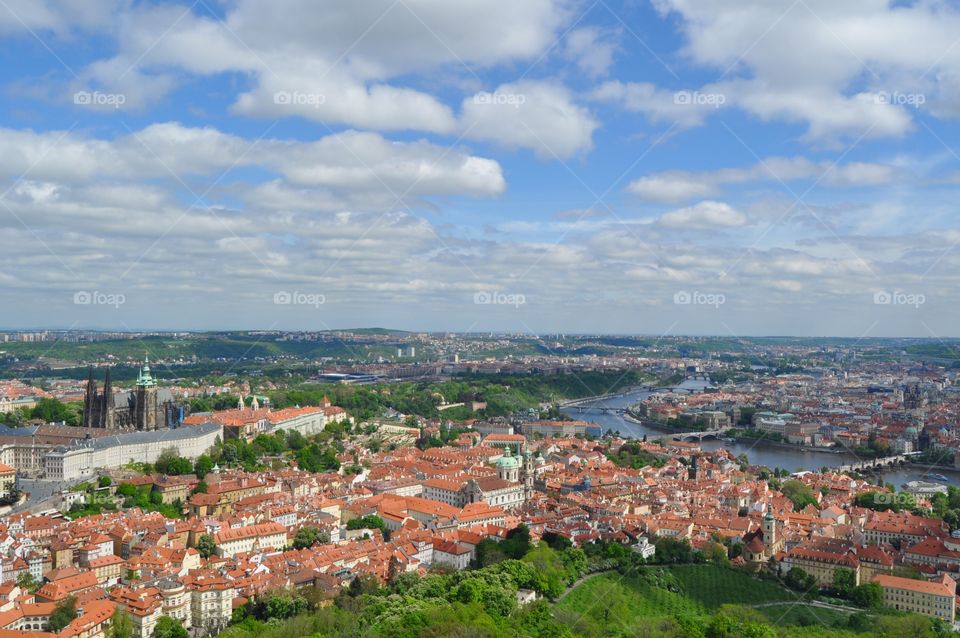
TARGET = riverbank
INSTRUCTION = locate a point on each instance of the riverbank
(787, 456)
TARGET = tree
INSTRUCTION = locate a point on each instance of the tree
(120, 625)
(105, 481)
(53, 410)
(798, 492)
(63, 613)
(672, 550)
(844, 580)
(716, 553)
(869, 595)
(307, 536)
(127, 489)
(371, 521)
(798, 579)
(169, 462)
(206, 545)
(26, 581)
(203, 466)
(364, 584)
(168, 627)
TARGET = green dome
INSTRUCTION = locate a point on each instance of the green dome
(508, 461)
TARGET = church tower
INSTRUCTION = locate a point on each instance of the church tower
(769, 533)
(528, 475)
(107, 407)
(90, 402)
(146, 408)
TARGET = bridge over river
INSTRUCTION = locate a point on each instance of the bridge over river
(877, 464)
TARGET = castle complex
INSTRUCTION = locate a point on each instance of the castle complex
(147, 407)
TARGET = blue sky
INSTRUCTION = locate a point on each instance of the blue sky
(656, 167)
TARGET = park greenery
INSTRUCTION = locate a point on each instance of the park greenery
(631, 455)
(503, 394)
(600, 590)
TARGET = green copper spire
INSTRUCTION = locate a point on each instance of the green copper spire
(145, 378)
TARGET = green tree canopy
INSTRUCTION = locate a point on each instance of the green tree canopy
(168, 627)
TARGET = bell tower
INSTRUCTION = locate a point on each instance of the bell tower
(769, 532)
(528, 474)
(146, 408)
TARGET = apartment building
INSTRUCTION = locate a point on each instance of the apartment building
(936, 598)
(260, 537)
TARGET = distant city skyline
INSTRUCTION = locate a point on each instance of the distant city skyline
(673, 167)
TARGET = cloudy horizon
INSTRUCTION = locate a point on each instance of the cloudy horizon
(669, 167)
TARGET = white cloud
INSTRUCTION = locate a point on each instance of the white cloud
(823, 63)
(670, 188)
(541, 116)
(348, 162)
(592, 49)
(706, 215)
(677, 186)
(335, 60)
(62, 17)
(681, 108)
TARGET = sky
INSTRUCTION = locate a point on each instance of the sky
(661, 167)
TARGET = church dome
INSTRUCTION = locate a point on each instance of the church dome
(508, 461)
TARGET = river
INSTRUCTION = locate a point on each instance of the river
(759, 453)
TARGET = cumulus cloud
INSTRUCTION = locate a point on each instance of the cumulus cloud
(681, 108)
(592, 49)
(339, 63)
(677, 186)
(828, 65)
(350, 161)
(542, 116)
(706, 215)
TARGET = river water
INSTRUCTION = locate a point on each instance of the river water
(758, 453)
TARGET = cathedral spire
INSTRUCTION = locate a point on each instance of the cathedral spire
(145, 378)
(106, 413)
(89, 400)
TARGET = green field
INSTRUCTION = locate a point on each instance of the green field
(803, 615)
(620, 605)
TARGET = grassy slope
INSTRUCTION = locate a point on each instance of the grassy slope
(615, 602)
